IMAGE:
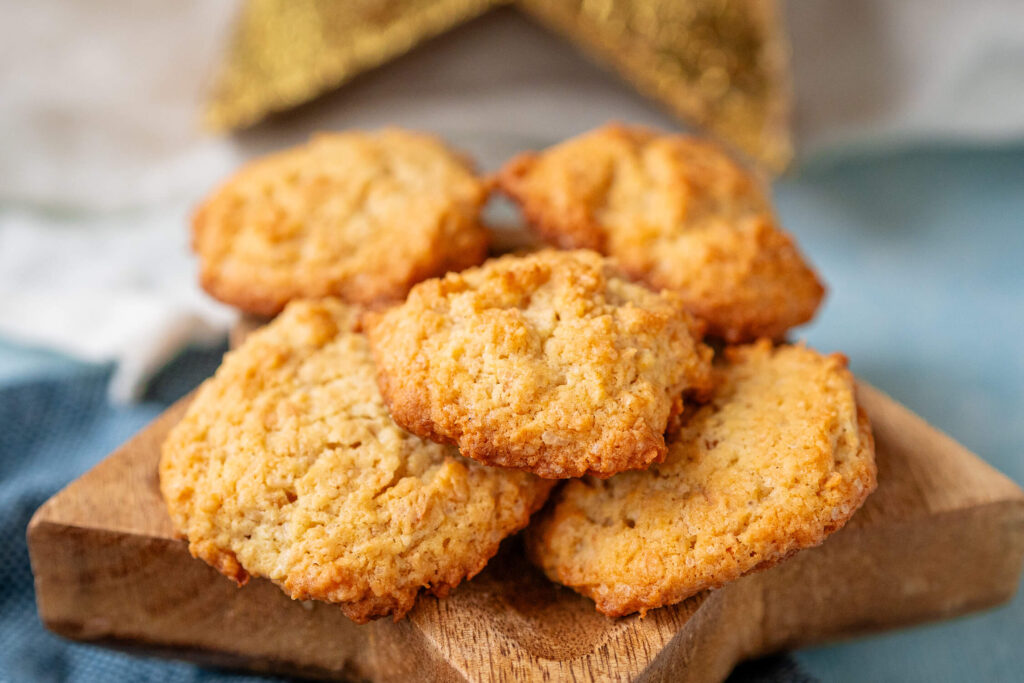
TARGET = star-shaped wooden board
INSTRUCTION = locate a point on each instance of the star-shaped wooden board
(942, 535)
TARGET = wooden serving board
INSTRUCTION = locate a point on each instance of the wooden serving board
(942, 535)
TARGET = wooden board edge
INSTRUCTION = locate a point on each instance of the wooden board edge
(965, 571)
(883, 402)
(204, 608)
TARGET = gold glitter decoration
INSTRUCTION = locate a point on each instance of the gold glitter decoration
(719, 64)
(286, 52)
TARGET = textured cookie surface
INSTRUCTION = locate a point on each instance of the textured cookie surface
(357, 215)
(287, 466)
(780, 458)
(552, 362)
(677, 213)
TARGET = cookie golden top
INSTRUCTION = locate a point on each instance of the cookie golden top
(358, 215)
(679, 214)
(780, 458)
(552, 362)
(287, 466)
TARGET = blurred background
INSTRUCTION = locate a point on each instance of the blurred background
(902, 176)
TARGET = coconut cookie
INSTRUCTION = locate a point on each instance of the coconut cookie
(287, 466)
(553, 363)
(780, 458)
(677, 213)
(358, 215)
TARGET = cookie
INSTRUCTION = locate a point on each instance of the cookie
(677, 213)
(361, 216)
(779, 459)
(287, 466)
(552, 362)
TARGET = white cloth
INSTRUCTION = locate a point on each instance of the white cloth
(105, 288)
(102, 158)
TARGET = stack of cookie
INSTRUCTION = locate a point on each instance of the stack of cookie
(413, 405)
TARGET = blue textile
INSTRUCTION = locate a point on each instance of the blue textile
(924, 255)
(54, 429)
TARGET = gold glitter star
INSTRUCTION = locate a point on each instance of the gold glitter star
(719, 64)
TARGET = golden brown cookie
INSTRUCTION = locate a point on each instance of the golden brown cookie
(780, 458)
(287, 466)
(358, 215)
(551, 362)
(677, 213)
